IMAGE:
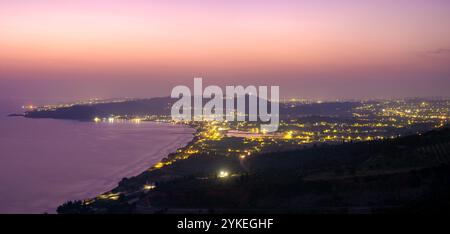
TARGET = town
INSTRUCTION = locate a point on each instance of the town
(303, 125)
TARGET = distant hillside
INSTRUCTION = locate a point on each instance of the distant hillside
(153, 106)
(321, 109)
(162, 106)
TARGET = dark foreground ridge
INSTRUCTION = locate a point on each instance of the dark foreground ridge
(404, 175)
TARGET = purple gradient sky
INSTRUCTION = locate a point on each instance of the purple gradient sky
(315, 49)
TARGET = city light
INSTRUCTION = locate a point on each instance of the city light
(288, 135)
(149, 187)
(223, 174)
(110, 196)
(158, 165)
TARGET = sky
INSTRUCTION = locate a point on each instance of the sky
(312, 49)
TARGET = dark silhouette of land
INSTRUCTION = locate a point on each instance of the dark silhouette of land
(404, 175)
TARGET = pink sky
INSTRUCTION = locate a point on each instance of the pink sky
(317, 49)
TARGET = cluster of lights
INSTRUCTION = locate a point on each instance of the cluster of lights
(110, 196)
(371, 123)
(118, 118)
(223, 174)
(148, 187)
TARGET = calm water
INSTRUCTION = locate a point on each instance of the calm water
(44, 162)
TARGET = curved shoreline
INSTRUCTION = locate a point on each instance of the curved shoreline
(66, 159)
(163, 154)
(167, 158)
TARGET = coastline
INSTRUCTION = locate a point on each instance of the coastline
(166, 160)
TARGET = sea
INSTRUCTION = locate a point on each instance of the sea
(46, 162)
